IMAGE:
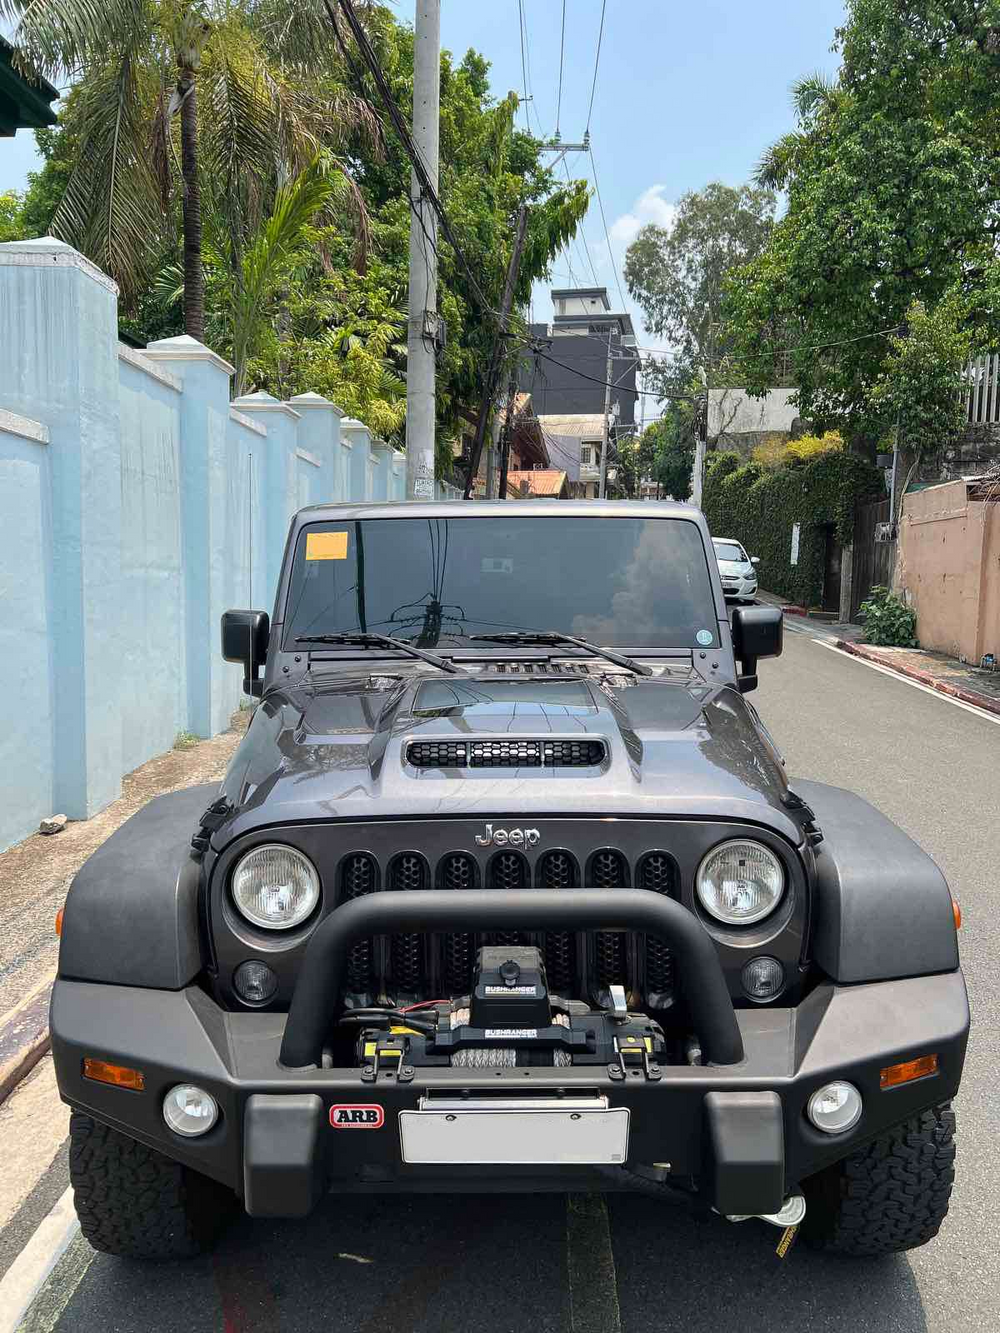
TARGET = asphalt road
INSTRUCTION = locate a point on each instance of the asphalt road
(437, 1264)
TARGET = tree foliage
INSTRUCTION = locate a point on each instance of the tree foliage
(320, 304)
(677, 273)
(759, 507)
(893, 184)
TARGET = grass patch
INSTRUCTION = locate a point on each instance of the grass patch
(186, 740)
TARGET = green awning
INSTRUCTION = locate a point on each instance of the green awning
(24, 102)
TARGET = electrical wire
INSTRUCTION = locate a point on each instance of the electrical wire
(597, 61)
(607, 234)
(395, 115)
(524, 63)
(562, 51)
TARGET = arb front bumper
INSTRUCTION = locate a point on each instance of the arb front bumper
(286, 1133)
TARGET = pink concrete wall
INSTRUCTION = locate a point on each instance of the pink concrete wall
(949, 566)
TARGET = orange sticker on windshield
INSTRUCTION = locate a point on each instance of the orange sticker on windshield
(326, 545)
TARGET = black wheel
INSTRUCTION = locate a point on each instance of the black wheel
(134, 1202)
(890, 1195)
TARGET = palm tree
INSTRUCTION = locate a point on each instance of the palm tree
(255, 102)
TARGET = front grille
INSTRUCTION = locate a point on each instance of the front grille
(509, 870)
(609, 870)
(558, 870)
(657, 873)
(359, 875)
(457, 871)
(539, 753)
(579, 964)
(406, 952)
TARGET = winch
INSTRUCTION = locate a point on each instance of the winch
(509, 1019)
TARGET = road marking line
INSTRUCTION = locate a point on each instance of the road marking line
(29, 1271)
(914, 684)
(593, 1283)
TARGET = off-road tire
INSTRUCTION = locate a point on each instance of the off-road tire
(134, 1202)
(890, 1195)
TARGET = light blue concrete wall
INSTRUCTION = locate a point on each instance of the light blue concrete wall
(27, 733)
(153, 675)
(136, 505)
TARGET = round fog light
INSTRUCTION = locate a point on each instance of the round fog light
(763, 978)
(189, 1110)
(254, 981)
(835, 1107)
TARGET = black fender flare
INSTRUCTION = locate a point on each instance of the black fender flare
(883, 909)
(131, 917)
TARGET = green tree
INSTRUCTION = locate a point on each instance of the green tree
(677, 273)
(138, 65)
(11, 216)
(893, 182)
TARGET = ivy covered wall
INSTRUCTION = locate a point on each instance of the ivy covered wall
(760, 507)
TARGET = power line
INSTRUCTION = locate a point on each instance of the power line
(562, 49)
(645, 393)
(597, 61)
(576, 238)
(399, 123)
(524, 64)
(607, 234)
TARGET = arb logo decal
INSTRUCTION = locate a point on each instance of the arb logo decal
(353, 1115)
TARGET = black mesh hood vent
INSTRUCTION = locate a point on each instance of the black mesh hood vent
(542, 753)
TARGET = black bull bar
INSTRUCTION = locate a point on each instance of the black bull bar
(317, 992)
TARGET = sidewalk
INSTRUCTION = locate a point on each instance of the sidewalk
(935, 670)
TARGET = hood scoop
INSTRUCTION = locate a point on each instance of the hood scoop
(542, 752)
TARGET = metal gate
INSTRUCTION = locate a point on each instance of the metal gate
(873, 559)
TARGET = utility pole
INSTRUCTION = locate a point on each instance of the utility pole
(496, 359)
(508, 428)
(422, 324)
(698, 478)
(602, 485)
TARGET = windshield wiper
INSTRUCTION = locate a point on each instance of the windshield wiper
(385, 641)
(629, 663)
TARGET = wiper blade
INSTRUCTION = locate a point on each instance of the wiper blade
(548, 637)
(386, 641)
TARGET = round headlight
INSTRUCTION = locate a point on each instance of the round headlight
(835, 1107)
(275, 886)
(740, 882)
(189, 1110)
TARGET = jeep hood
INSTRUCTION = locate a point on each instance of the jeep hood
(336, 749)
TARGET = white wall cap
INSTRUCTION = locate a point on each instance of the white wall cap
(302, 400)
(248, 423)
(23, 426)
(133, 357)
(186, 348)
(264, 402)
(46, 252)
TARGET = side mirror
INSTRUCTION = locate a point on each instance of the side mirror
(755, 560)
(758, 631)
(245, 636)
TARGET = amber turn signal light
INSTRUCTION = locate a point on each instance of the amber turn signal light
(894, 1075)
(59, 917)
(956, 912)
(119, 1076)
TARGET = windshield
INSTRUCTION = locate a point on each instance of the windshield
(617, 581)
(730, 551)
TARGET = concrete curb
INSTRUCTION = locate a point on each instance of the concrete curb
(24, 1039)
(923, 677)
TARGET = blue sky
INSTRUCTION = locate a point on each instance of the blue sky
(685, 94)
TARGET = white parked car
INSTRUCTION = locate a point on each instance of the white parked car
(738, 570)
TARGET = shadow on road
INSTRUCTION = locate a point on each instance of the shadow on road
(437, 1264)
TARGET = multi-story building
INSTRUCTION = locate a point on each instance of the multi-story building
(565, 372)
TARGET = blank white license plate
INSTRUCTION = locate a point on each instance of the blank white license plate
(578, 1131)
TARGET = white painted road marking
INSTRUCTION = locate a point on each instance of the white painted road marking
(29, 1271)
(593, 1282)
(907, 680)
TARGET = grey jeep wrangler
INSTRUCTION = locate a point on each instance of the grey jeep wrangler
(506, 887)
